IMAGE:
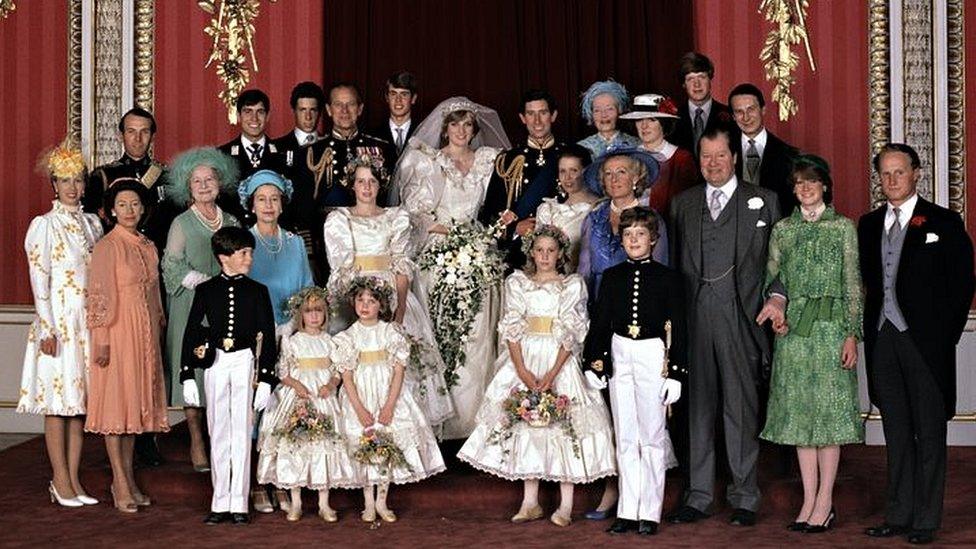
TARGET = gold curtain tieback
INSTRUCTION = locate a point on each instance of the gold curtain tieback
(317, 363)
(368, 357)
(372, 262)
(539, 324)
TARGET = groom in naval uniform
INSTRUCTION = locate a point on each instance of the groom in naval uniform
(720, 243)
(523, 176)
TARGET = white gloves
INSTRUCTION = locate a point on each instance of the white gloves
(597, 383)
(670, 391)
(194, 279)
(261, 396)
(191, 397)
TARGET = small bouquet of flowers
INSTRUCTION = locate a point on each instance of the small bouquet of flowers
(307, 424)
(419, 351)
(377, 447)
(535, 409)
(463, 266)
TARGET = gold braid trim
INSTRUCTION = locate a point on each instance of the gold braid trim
(512, 175)
(323, 167)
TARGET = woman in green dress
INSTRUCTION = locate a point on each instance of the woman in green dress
(813, 398)
(196, 179)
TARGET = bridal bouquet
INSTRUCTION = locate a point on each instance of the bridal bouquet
(536, 409)
(307, 424)
(463, 266)
(377, 447)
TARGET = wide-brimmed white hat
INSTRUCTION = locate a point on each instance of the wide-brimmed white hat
(651, 105)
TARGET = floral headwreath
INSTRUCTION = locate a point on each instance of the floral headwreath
(299, 298)
(64, 161)
(552, 232)
(366, 160)
(380, 289)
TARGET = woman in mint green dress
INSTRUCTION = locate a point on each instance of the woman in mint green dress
(813, 398)
(196, 179)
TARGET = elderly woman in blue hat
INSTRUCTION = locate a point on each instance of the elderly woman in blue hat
(602, 104)
(197, 178)
(622, 176)
(280, 258)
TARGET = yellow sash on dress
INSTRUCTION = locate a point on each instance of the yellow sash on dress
(316, 363)
(539, 324)
(367, 357)
(372, 262)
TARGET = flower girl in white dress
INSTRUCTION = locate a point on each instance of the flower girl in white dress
(300, 441)
(543, 324)
(386, 429)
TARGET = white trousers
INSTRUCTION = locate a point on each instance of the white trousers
(229, 393)
(639, 424)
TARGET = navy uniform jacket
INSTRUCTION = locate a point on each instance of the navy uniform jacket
(642, 294)
(227, 314)
(270, 160)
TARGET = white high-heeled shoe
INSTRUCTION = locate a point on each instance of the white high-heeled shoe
(63, 502)
(86, 499)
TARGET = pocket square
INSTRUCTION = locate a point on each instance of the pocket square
(760, 223)
(931, 237)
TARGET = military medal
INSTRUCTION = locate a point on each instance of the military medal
(228, 343)
(633, 331)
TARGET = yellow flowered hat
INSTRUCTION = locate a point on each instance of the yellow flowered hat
(64, 161)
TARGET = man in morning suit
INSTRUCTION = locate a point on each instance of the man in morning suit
(720, 238)
(137, 128)
(401, 95)
(252, 149)
(307, 99)
(319, 176)
(701, 112)
(917, 268)
(762, 158)
(524, 175)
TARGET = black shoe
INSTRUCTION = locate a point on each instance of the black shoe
(240, 518)
(797, 526)
(885, 530)
(147, 453)
(621, 526)
(743, 517)
(826, 525)
(685, 514)
(647, 528)
(216, 518)
(921, 537)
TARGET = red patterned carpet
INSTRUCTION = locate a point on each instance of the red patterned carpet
(455, 509)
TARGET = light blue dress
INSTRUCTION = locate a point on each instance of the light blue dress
(282, 266)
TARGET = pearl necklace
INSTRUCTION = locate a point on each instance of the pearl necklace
(615, 209)
(212, 226)
(272, 249)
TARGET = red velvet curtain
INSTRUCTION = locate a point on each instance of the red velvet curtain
(493, 50)
(833, 117)
(33, 88)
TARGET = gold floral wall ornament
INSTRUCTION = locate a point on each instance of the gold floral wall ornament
(7, 6)
(790, 28)
(232, 30)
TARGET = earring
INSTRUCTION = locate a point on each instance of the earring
(560, 191)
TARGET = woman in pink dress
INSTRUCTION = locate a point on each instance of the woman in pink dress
(126, 394)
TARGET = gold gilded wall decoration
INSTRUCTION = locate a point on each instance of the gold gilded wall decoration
(232, 30)
(789, 29)
(7, 6)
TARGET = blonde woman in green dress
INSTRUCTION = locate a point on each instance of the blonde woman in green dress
(813, 398)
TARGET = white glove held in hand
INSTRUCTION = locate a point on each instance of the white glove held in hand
(191, 397)
(261, 396)
(670, 391)
(597, 383)
(194, 279)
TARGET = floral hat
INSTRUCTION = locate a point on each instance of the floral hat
(64, 161)
(651, 105)
(264, 177)
(591, 176)
(178, 181)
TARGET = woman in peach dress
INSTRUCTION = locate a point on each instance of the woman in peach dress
(126, 395)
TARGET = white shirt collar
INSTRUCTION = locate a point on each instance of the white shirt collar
(706, 108)
(905, 212)
(666, 151)
(759, 140)
(301, 135)
(728, 189)
(247, 142)
(405, 127)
